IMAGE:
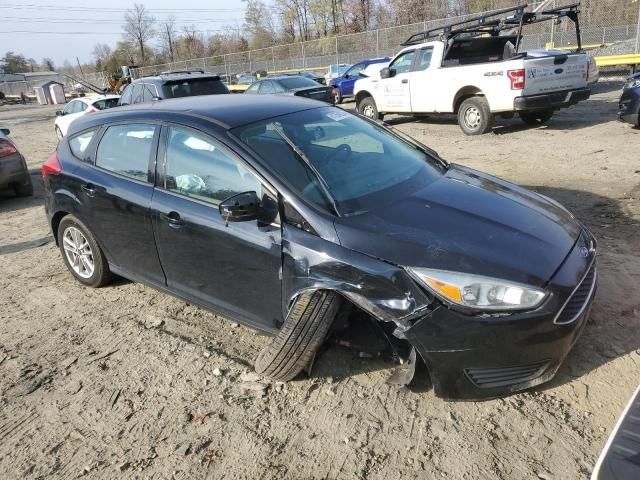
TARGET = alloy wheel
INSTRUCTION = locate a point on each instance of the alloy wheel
(78, 252)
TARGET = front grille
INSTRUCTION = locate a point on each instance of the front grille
(578, 300)
(501, 377)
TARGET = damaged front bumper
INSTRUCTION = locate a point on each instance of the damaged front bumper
(468, 356)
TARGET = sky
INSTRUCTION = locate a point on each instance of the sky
(66, 29)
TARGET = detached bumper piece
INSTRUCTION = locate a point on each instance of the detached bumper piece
(629, 107)
(552, 100)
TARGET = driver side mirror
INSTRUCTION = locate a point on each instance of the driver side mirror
(346, 75)
(242, 207)
(59, 113)
(387, 72)
(5, 131)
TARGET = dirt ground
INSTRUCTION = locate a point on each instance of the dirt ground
(127, 382)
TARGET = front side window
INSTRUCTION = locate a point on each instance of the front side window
(148, 92)
(403, 63)
(79, 144)
(126, 149)
(253, 88)
(81, 107)
(199, 167)
(70, 107)
(136, 94)
(267, 87)
(360, 164)
(355, 70)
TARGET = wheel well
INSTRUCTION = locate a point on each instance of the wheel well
(463, 94)
(55, 222)
(361, 96)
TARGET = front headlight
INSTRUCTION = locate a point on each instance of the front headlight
(478, 292)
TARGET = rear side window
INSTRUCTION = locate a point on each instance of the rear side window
(105, 103)
(199, 167)
(125, 149)
(80, 143)
(193, 87)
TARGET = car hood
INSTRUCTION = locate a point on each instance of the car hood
(470, 222)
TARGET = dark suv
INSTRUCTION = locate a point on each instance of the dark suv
(172, 85)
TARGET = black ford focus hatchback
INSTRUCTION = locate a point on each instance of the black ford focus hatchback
(283, 212)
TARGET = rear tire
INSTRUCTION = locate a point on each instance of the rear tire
(24, 189)
(368, 108)
(304, 330)
(474, 116)
(536, 117)
(82, 254)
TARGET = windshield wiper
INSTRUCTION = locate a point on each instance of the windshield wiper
(325, 188)
(416, 144)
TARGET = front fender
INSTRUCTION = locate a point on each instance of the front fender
(383, 290)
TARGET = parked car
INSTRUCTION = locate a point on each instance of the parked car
(292, 85)
(280, 212)
(629, 110)
(619, 457)
(79, 107)
(343, 85)
(172, 85)
(14, 173)
(334, 71)
(246, 79)
(478, 77)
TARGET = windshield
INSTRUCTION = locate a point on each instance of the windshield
(193, 87)
(297, 82)
(361, 164)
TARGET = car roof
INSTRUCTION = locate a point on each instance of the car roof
(227, 110)
(169, 77)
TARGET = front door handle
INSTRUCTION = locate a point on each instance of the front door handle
(173, 219)
(89, 189)
(405, 80)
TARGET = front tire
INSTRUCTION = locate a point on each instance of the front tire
(536, 117)
(368, 108)
(474, 116)
(337, 97)
(304, 330)
(81, 253)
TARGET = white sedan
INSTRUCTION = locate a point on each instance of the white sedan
(82, 106)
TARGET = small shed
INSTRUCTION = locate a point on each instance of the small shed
(49, 93)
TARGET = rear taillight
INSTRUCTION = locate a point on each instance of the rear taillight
(517, 78)
(7, 148)
(51, 166)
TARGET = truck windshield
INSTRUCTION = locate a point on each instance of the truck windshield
(193, 87)
(361, 164)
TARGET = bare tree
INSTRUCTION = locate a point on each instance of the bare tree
(139, 27)
(168, 34)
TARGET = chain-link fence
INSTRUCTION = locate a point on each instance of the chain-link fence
(611, 32)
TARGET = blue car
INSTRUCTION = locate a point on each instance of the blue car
(629, 108)
(343, 85)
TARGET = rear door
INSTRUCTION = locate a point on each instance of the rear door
(234, 268)
(395, 91)
(116, 195)
(554, 72)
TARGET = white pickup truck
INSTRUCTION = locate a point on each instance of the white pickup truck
(477, 78)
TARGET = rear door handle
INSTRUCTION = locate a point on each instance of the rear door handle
(89, 189)
(405, 80)
(173, 219)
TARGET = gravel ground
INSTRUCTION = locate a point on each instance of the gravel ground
(127, 382)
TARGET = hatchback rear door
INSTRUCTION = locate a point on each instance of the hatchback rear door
(115, 194)
(233, 268)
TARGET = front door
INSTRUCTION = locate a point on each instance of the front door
(396, 90)
(115, 194)
(232, 267)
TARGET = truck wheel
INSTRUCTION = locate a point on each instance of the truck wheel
(300, 337)
(336, 96)
(474, 116)
(368, 108)
(537, 117)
